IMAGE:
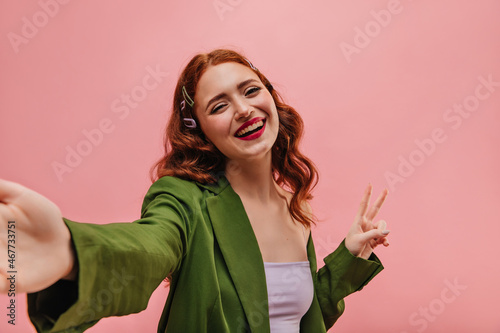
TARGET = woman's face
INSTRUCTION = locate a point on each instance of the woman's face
(236, 111)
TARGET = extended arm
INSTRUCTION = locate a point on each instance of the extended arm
(119, 264)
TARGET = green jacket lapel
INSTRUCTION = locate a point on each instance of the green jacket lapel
(241, 253)
(312, 321)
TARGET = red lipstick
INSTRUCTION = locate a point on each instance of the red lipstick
(251, 134)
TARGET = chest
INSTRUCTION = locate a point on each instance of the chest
(280, 238)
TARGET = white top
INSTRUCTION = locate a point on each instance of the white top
(290, 293)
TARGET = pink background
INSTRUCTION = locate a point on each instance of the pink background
(370, 78)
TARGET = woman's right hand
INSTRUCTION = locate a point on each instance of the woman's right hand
(37, 245)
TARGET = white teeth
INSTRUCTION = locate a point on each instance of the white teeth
(250, 128)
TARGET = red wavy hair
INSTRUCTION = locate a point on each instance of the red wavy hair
(189, 155)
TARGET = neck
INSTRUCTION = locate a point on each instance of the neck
(252, 178)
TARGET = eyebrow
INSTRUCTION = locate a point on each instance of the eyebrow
(239, 86)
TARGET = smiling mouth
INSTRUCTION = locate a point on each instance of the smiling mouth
(251, 129)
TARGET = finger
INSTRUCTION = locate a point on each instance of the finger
(377, 205)
(9, 190)
(379, 241)
(375, 235)
(380, 225)
(363, 206)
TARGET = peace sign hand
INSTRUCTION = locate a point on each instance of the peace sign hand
(364, 235)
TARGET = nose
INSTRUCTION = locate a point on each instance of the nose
(242, 108)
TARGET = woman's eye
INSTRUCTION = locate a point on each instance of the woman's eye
(252, 90)
(217, 108)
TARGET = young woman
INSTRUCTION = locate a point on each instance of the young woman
(226, 221)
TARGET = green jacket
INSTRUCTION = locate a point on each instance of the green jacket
(201, 236)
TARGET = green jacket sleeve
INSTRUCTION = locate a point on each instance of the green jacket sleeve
(342, 275)
(120, 264)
